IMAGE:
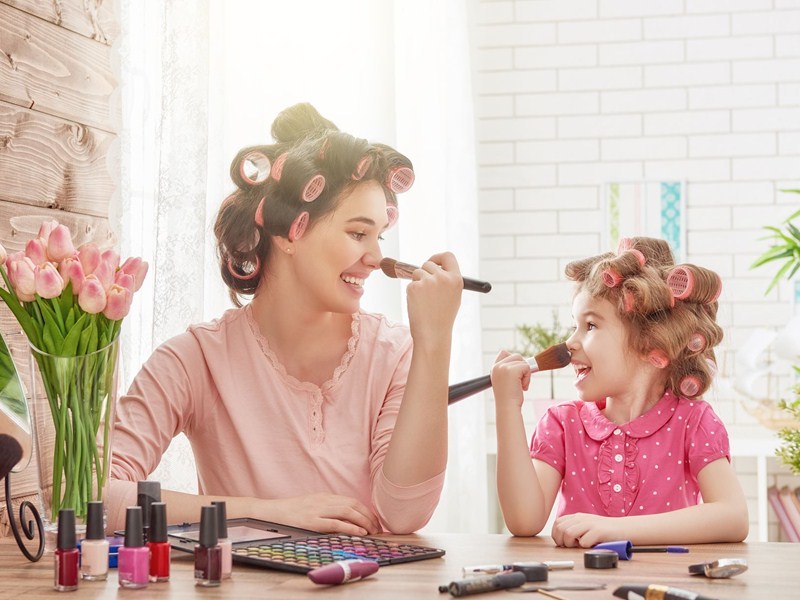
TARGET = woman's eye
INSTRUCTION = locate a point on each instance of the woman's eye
(358, 235)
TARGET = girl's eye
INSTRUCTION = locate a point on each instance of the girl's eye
(380, 238)
(590, 326)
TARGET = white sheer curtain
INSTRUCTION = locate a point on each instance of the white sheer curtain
(201, 79)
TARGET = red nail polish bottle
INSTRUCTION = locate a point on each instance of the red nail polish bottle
(66, 554)
(158, 543)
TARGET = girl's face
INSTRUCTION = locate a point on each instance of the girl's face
(604, 365)
(335, 257)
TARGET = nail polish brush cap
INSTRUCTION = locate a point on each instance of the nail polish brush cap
(158, 522)
(134, 535)
(95, 529)
(66, 529)
(222, 519)
(147, 493)
(208, 526)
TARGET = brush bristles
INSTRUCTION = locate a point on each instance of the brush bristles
(555, 357)
(387, 266)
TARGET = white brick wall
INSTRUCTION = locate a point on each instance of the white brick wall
(571, 94)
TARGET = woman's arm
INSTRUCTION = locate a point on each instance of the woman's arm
(721, 517)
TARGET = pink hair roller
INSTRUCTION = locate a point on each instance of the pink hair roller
(696, 343)
(254, 168)
(639, 256)
(681, 282)
(400, 179)
(611, 278)
(313, 188)
(658, 358)
(324, 148)
(628, 301)
(712, 366)
(260, 213)
(246, 277)
(624, 244)
(362, 167)
(392, 213)
(277, 166)
(690, 386)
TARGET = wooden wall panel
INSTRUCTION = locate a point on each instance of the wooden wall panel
(48, 162)
(94, 19)
(53, 70)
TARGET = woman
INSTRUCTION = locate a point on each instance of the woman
(300, 407)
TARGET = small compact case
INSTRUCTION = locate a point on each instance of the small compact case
(276, 546)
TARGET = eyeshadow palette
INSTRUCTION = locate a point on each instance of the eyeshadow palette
(276, 546)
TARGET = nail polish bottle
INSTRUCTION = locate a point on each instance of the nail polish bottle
(158, 543)
(94, 548)
(147, 492)
(133, 562)
(66, 554)
(224, 543)
(207, 554)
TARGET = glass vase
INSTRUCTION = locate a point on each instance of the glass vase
(73, 401)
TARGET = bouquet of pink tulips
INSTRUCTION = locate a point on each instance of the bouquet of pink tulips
(70, 304)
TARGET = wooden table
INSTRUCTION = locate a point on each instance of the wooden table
(774, 573)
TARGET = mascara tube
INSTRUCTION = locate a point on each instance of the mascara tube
(479, 585)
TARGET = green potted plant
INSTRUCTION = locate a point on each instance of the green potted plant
(786, 249)
(539, 337)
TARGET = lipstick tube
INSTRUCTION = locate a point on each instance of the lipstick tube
(158, 543)
(94, 548)
(133, 562)
(66, 553)
(207, 554)
(343, 571)
(223, 542)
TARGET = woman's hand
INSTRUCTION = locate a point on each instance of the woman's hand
(511, 375)
(434, 297)
(582, 530)
(326, 513)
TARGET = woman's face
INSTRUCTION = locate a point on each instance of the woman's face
(603, 364)
(335, 257)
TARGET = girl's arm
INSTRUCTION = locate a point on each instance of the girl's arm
(526, 488)
(721, 517)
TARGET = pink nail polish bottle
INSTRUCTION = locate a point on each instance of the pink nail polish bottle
(94, 548)
(224, 543)
(207, 554)
(66, 554)
(133, 562)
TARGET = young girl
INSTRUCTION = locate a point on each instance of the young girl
(300, 407)
(632, 458)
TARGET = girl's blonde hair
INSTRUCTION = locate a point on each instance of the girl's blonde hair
(669, 310)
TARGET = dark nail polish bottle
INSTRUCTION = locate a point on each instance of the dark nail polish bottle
(147, 492)
(158, 543)
(133, 562)
(224, 543)
(94, 548)
(66, 554)
(207, 554)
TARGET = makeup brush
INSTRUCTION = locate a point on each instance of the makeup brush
(400, 270)
(554, 357)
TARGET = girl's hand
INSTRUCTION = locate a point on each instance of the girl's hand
(582, 530)
(326, 513)
(511, 375)
(434, 297)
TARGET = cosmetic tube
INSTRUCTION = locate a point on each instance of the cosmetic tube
(66, 554)
(343, 571)
(94, 548)
(479, 585)
(133, 562)
(158, 543)
(223, 542)
(147, 492)
(656, 592)
(207, 554)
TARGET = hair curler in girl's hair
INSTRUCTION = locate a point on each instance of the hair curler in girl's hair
(313, 188)
(277, 166)
(628, 301)
(658, 358)
(624, 244)
(697, 342)
(639, 256)
(712, 366)
(254, 167)
(400, 179)
(611, 277)
(690, 386)
(694, 284)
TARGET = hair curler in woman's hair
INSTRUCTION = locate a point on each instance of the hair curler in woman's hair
(697, 342)
(254, 167)
(239, 272)
(694, 284)
(313, 188)
(277, 166)
(400, 179)
(259, 217)
(362, 167)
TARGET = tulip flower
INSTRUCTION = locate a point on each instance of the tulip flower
(92, 298)
(89, 255)
(3, 255)
(124, 280)
(137, 268)
(35, 250)
(59, 244)
(112, 258)
(105, 274)
(45, 229)
(49, 283)
(21, 274)
(71, 270)
(119, 303)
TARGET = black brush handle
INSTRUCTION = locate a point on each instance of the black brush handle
(459, 391)
(474, 285)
